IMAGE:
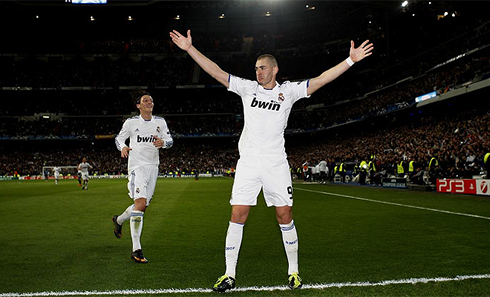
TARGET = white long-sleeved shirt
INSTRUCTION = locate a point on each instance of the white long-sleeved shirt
(141, 134)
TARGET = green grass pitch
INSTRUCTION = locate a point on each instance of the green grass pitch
(60, 238)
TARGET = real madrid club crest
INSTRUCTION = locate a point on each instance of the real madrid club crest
(158, 129)
(281, 97)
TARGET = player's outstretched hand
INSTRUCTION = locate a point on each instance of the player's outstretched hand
(158, 143)
(364, 50)
(125, 152)
(180, 40)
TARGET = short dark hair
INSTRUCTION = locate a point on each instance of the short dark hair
(272, 60)
(137, 94)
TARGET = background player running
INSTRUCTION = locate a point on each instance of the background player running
(84, 167)
(57, 171)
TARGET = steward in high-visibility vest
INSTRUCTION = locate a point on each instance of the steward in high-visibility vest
(372, 169)
(400, 169)
(486, 161)
(433, 169)
(342, 167)
(372, 166)
(342, 171)
(433, 164)
(411, 167)
(363, 167)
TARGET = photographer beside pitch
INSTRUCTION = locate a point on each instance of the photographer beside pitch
(147, 134)
(263, 160)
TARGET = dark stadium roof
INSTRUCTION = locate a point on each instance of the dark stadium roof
(335, 15)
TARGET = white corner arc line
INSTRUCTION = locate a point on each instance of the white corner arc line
(245, 289)
(397, 204)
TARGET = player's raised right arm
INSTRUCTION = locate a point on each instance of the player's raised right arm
(209, 66)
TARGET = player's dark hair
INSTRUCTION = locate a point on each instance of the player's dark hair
(137, 94)
(272, 60)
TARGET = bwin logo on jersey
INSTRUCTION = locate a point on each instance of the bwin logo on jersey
(265, 105)
(145, 138)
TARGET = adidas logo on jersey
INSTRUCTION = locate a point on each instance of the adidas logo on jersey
(145, 138)
(265, 105)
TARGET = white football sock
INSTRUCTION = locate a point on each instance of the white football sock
(290, 241)
(136, 226)
(232, 247)
(125, 215)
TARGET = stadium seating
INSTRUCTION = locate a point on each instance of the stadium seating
(82, 86)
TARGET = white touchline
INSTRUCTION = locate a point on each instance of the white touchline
(397, 204)
(246, 289)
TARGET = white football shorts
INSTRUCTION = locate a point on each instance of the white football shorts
(142, 182)
(256, 173)
(56, 176)
(84, 175)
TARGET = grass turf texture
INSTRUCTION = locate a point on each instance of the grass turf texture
(59, 238)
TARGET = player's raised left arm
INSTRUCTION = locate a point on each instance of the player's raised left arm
(355, 55)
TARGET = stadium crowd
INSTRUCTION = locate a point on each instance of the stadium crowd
(83, 88)
(214, 111)
(458, 142)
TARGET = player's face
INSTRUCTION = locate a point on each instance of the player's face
(146, 104)
(265, 73)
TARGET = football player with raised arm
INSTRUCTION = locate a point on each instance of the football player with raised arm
(147, 135)
(263, 162)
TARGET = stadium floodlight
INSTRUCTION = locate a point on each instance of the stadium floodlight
(88, 1)
(405, 3)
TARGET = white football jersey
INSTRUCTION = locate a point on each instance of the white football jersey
(266, 113)
(84, 166)
(323, 165)
(141, 134)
